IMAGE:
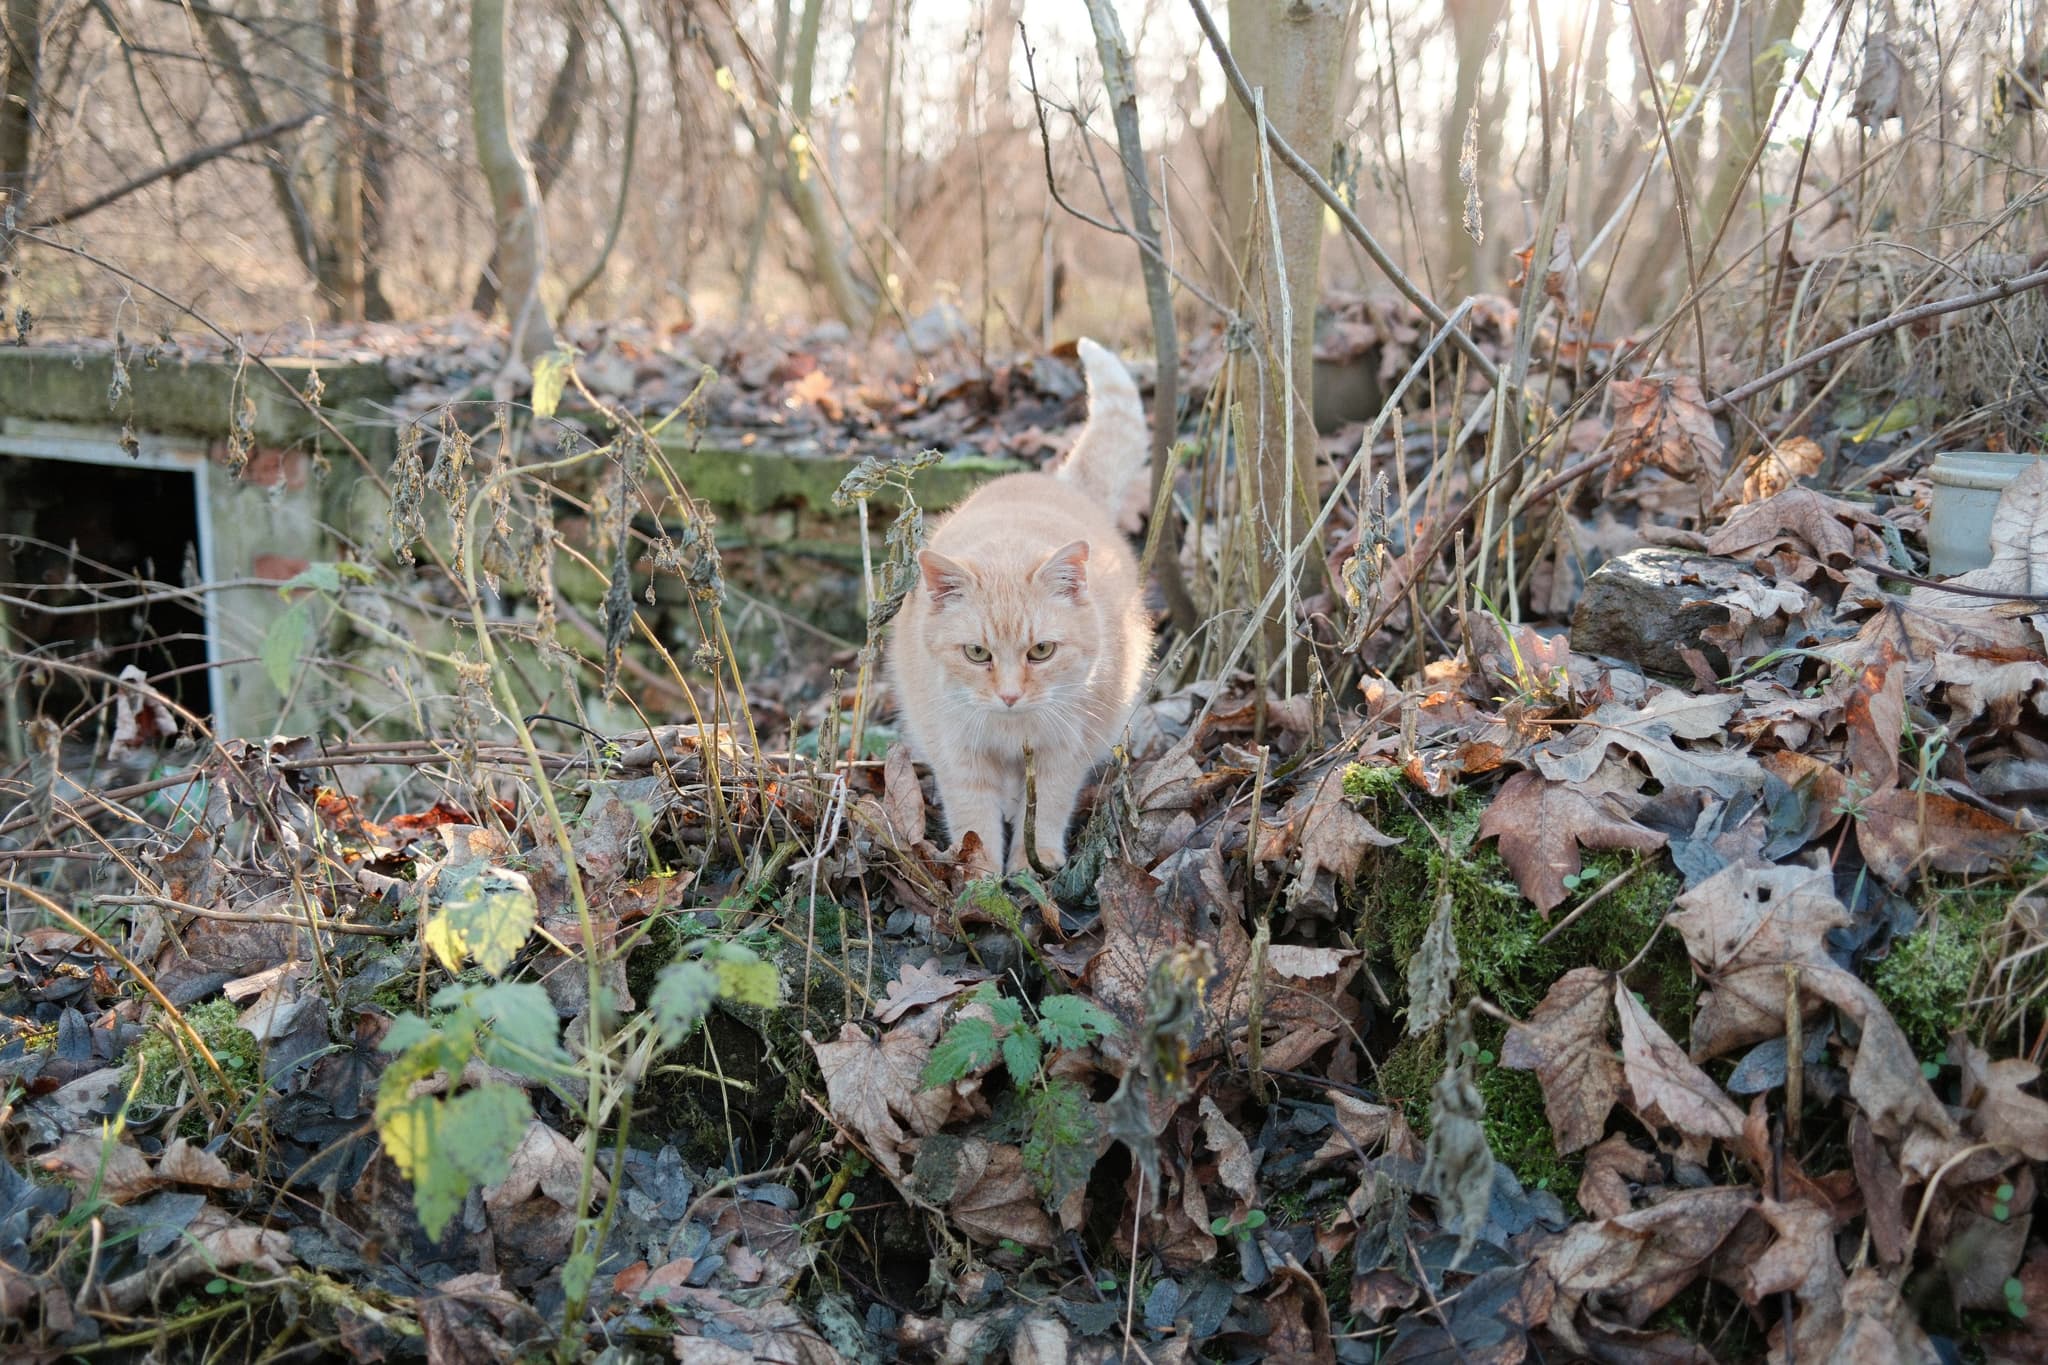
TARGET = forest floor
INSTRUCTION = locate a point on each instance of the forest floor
(1543, 1004)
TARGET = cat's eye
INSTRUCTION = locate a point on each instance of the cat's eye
(976, 654)
(1041, 651)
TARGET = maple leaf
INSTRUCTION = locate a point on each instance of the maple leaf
(1542, 826)
(1667, 1087)
(915, 986)
(1903, 833)
(1742, 926)
(1649, 733)
(1664, 421)
(1782, 466)
(1885, 1077)
(875, 1087)
(1565, 1043)
(1813, 524)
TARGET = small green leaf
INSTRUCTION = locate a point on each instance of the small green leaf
(681, 997)
(1068, 1021)
(846, 1200)
(1929, 1070)
(522, 1016)
(970, 1045)
(481, 912)
(745, 979)
(216, 1286)
(1254, 1220)
(1021, 1054)
(1219, 1225)
(2003, 1194)
(284, 643)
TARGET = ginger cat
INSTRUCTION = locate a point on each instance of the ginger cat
(1028, 628)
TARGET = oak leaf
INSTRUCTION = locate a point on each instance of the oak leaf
(1565, 1043)
(1542, 826)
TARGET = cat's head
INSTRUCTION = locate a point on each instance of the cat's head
(1011, 639)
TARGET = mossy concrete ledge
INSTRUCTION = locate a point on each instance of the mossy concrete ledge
(749, 480)
(194, 398)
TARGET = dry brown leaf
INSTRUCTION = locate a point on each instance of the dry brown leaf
(1829, 530)
(983, 1186)
(1629, 1266)
(142, 717)
(1742, 926)
(1801, 1261)
(1978, 684)
(1664, 421)
(916, 986)
(1874, 709)
(2004, 1115)
(902, 798)
(1361, 1126)
(1237, 1166)
(876, 1088)
(1885, 1076)
(1877, 1327)
(1565, 1043)
(546, 1163)
(1904, 833)
(1334, 837)
(86, 1159)
(187, 1164)
(1782, 466)
(1667, 1087)
(1542, 826)
(1649, 733)
(1614, 1167)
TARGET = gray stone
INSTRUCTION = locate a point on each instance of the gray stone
(1642, 606)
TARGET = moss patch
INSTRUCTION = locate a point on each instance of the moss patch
(169, 1070)
(1501, 953)
(1927, 978)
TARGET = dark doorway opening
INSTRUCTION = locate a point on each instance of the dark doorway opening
(81, 544)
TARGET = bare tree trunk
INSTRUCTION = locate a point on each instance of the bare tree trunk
(1301, 43)
(21, 48)
(373, 130)
(1472, 23)
(1251, 24)
(1743, 108)
(346, 237)
(560, 117)
(307, 242)
(809, 198)
(1123, 98)
(515, 198)
(770, 146)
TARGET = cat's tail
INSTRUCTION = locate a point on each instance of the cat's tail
(1113, 449)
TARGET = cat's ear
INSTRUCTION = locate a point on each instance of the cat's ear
(1065, 572)
(945, 579)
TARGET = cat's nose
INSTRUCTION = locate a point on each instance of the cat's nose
(1009, 698)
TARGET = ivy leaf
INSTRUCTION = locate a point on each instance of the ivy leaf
(969, 1046)
(483, 912)
(1069, 1021)
(1021, 1054)
(681, 998)
(284, 643)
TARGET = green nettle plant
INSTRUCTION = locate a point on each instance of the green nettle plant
(1059, 1118)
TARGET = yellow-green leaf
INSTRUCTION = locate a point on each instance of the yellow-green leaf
(483, 913)
(746, 981)
(550, 376)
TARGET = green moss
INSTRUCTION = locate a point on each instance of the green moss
(1926, 979)
(1502, 955)
(168, 1077)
